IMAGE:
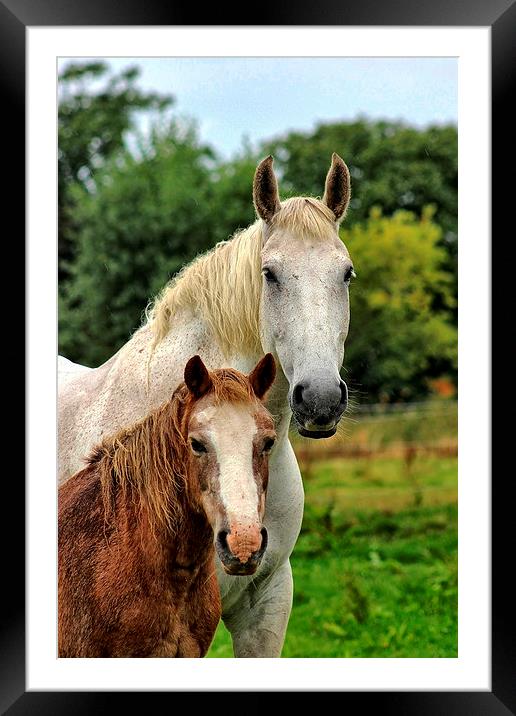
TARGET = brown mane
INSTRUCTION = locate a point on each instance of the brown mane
(148, 459)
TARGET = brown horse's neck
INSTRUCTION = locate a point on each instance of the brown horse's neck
(185, 545)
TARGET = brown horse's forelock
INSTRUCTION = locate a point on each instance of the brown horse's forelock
(149, 459)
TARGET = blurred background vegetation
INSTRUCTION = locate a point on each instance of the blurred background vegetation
(375, 567)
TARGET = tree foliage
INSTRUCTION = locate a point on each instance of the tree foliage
(92, 123)
(145, 219)
(401, 332)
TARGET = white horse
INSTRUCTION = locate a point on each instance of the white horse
(279, 286)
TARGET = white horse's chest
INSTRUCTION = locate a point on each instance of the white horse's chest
(283, 516)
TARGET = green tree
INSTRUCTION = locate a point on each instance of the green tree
(146, 217)
(96, 108)
(231, 195)
(401, 331)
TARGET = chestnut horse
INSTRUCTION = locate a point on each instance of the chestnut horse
(138, 525)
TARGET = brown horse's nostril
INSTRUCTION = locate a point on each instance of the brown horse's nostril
(239, 559)
(265, 539)
(222, 540)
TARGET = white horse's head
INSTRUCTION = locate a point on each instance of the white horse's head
(304, 314)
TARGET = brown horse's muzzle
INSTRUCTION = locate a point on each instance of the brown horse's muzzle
(241, 551)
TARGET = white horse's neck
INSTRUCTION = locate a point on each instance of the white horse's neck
(189, 335)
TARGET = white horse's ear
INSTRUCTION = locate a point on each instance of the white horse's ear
(337, 190)
(197, 378)
(262, 376)
(265, 190)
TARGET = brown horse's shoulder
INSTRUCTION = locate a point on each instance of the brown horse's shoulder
(199, 623)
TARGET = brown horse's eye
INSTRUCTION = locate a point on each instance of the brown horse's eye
(268, 445)
(197, 447)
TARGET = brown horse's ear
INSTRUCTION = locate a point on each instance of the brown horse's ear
(265, 190)
(197, 378)
(337, 190)
(262, 376)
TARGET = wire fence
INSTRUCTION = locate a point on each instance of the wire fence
(435, 407)
(403, 431)
(406, 450)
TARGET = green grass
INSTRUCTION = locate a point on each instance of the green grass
(375, 566)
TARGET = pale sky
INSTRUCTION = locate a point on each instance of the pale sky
(261, 98)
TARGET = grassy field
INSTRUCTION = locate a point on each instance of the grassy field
(375, 566)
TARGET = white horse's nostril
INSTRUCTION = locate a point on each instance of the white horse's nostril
(297, 394)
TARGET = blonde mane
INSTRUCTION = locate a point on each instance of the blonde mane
(224, 285)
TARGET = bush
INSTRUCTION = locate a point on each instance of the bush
(401, 331)
(144, 220)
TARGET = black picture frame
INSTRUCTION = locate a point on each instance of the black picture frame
(500, 16)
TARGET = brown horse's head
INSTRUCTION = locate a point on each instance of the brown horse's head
(230, 436)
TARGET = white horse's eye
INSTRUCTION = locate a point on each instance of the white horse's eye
(350, 273)
(269, 275)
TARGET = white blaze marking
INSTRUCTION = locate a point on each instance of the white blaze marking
(206, 415)
(232, 431)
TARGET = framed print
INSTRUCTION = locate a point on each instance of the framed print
(36, 40)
